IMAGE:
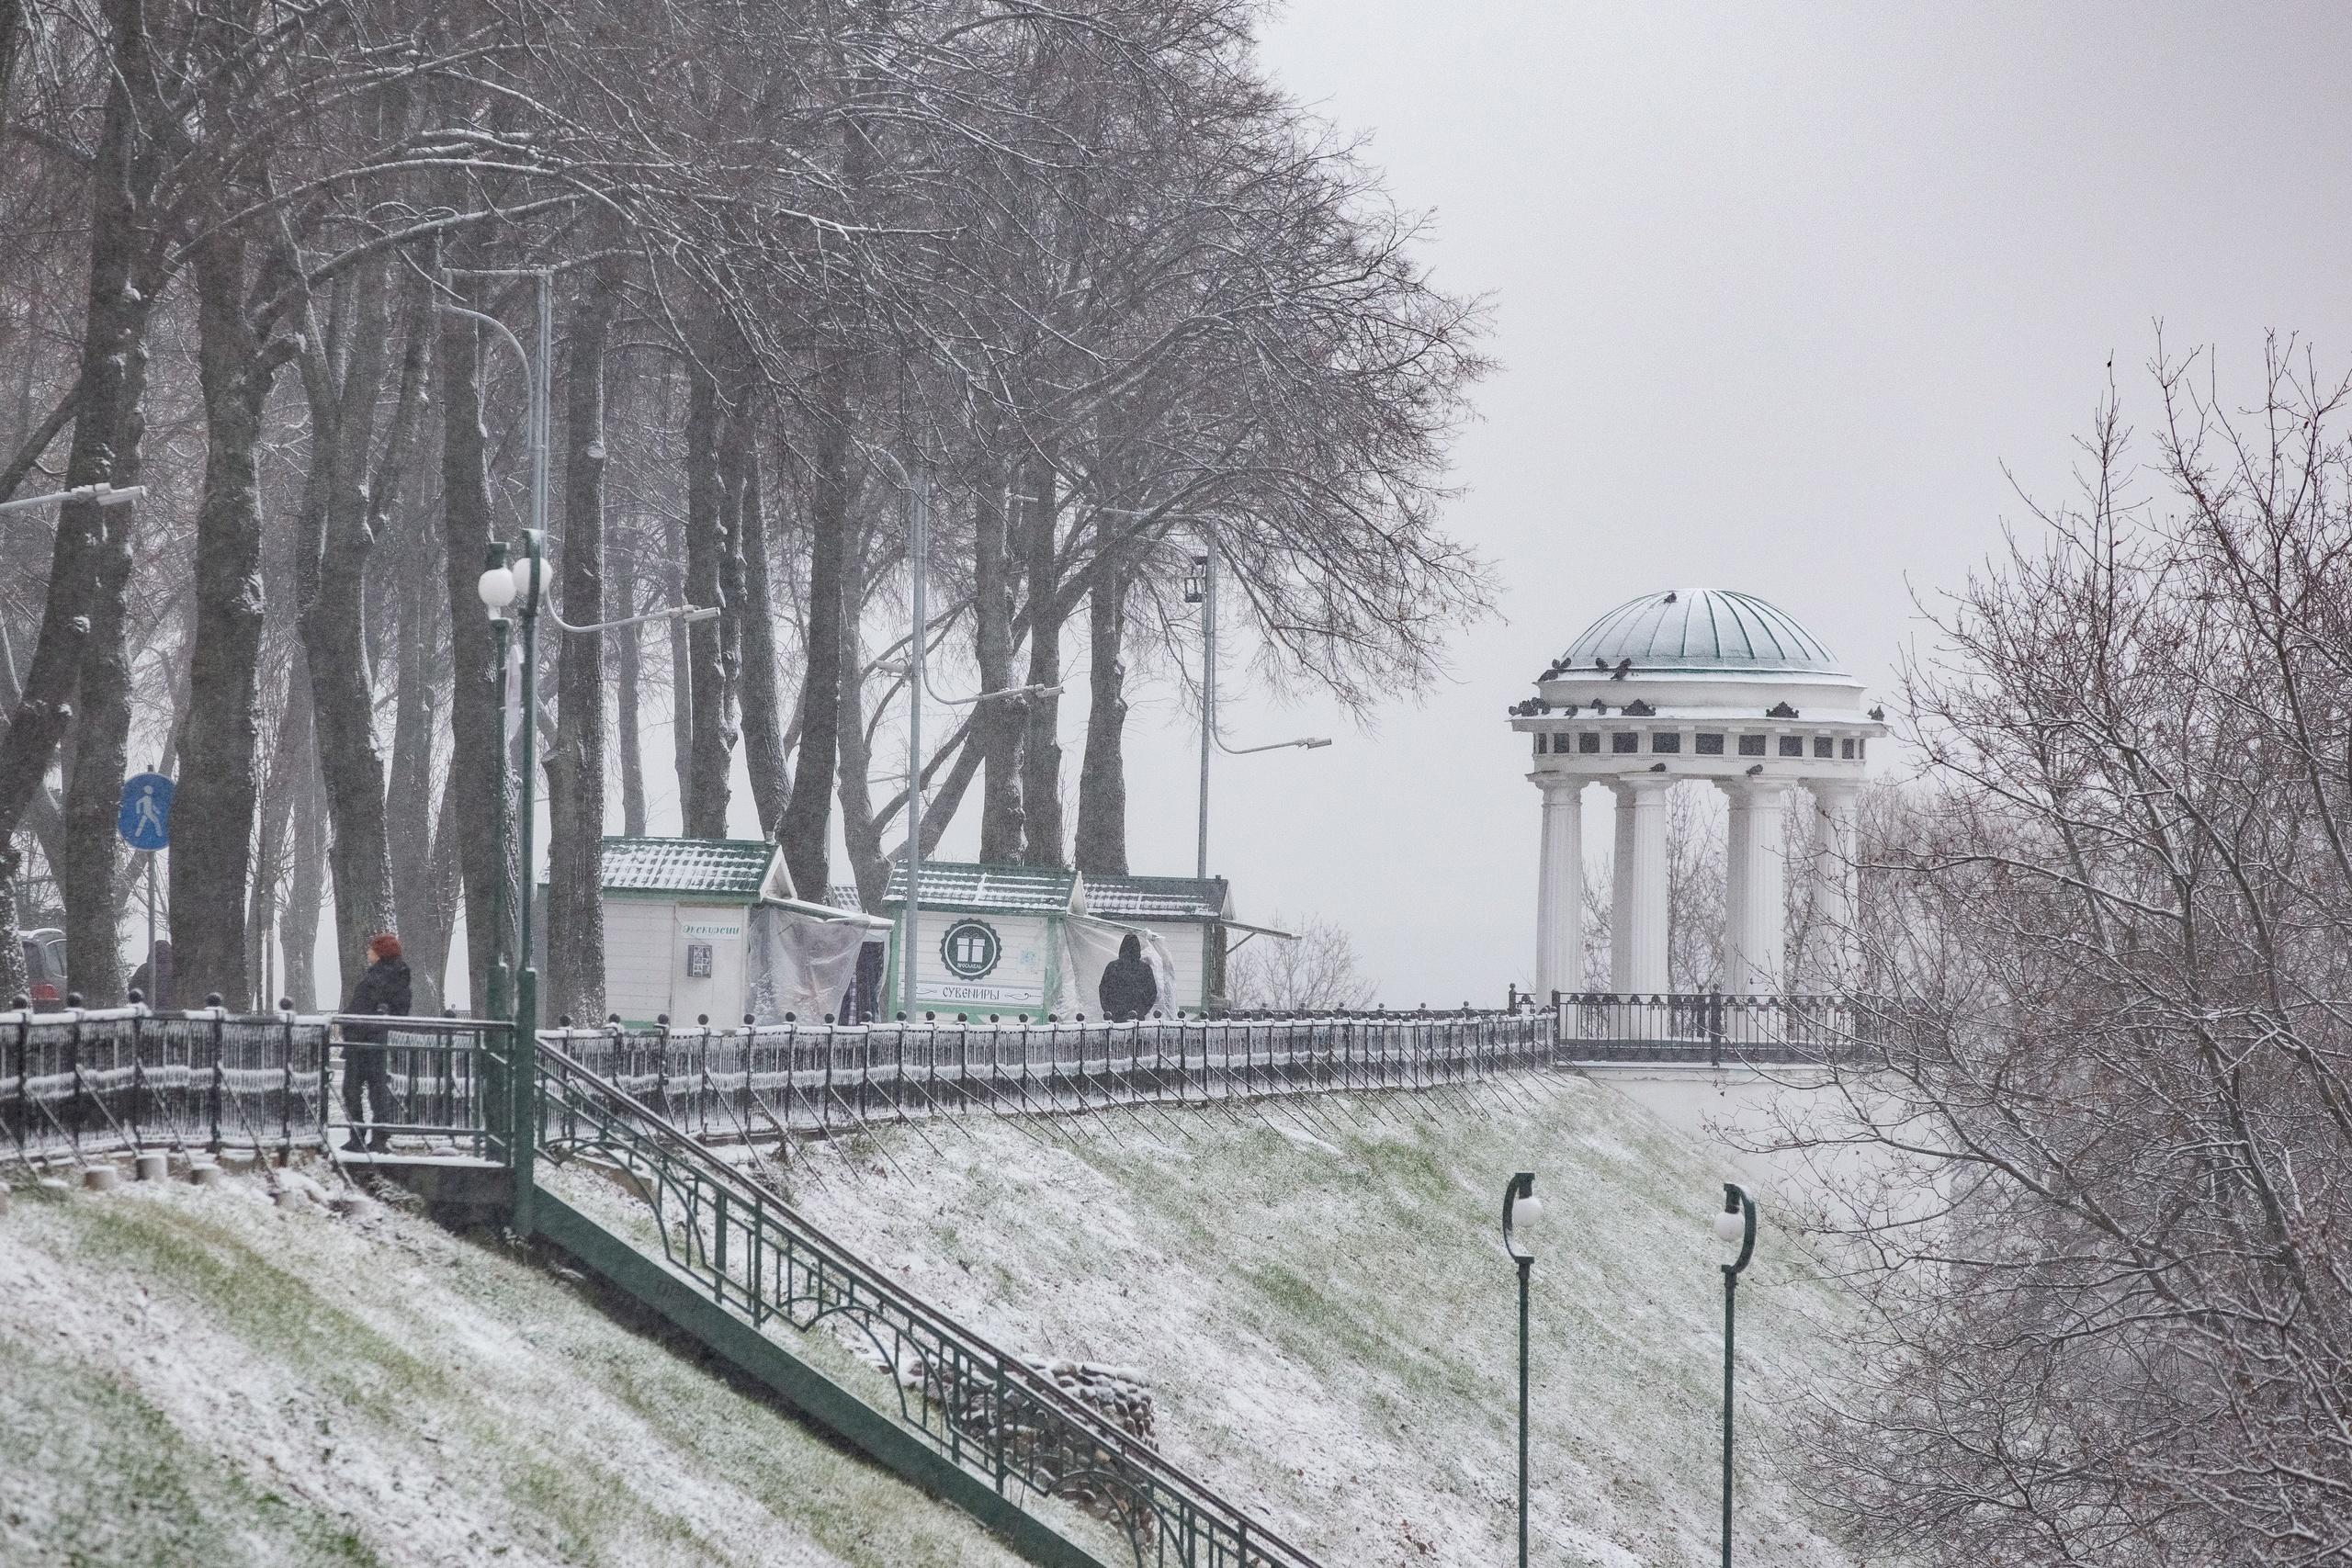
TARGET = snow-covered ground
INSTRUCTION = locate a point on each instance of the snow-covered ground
(1318, 1298)
(191, 1376)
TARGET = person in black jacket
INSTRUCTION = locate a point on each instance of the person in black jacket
(382, 991)
(1129, 989)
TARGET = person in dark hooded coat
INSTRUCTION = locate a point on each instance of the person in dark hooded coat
(382, 991)
(1129, 988)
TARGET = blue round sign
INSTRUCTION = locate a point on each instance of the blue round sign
(145, 820)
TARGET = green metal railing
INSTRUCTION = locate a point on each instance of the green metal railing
(985, 1410)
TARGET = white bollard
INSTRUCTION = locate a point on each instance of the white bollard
(204, 1173)
(153, 1165)
(100, 1178)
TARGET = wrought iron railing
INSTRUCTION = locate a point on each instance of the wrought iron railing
(84, 1084)
(816, 1078)
(81, 1083)
(1710, 1029)
(984, 1408)
(442, 1073)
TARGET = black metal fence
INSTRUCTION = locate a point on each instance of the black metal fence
(1709, 1029)
(84, 1084)
(817, 1078)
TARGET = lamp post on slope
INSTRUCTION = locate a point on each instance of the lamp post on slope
(917, 484)
(1205, 564)
(1521, 1210)
(1734, 1225)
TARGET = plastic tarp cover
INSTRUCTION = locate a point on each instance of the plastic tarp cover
(800, 964)
(1088, 946)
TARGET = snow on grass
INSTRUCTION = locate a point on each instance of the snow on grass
(1330, 1326)
(196, 1376)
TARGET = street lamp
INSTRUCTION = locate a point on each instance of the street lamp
(1521, 1210)
(917, 485)
(1735, 1226)
(1201, 587)
(500, 587)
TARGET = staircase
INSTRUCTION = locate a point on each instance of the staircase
(972, 1423)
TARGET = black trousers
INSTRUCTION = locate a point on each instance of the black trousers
(364, 1069)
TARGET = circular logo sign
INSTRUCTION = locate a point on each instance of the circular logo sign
(970, 948)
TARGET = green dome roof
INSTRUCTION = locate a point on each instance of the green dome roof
(1700, 630)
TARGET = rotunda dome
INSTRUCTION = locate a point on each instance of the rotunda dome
(1700, 631)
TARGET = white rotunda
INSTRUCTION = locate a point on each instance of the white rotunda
(1690, 683)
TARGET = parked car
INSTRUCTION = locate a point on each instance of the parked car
(45, 967)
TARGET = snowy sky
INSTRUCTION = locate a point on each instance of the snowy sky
(1779, 293)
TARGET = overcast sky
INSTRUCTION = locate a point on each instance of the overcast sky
(1779, 291)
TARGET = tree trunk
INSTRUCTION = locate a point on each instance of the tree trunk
(428, 936)
(408, 803)
(1041, 747)
(575, 763)
(996, 724)
(628, 674)
(287, 784)
(859, 829)
(343, 382)
(212, 815)
(89, 563)
(94, 783)
(682, 671)
(1103, 774)
(306, 883)
(477, 761)
(763, 748)
(704, 805)
(807, 826)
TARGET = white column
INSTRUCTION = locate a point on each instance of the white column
(1736, 839)
(1834, 875)
(1641, 830)
(1559, 897)
(1621, 892)
(1754, 939)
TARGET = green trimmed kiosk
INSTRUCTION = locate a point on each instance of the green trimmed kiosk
(1021, 942)
(699, 928)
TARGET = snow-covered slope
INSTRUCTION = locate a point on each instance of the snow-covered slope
(196, 1377)
(1320, 1299)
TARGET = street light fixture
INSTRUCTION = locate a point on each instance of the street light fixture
(1521, 1210)
(917, 484)
(104, 494)
(1735, 1226)
(1201, 587)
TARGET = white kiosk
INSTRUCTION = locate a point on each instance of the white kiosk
(711, 928)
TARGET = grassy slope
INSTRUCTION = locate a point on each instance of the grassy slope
(1324, 1313)
(197, 1377)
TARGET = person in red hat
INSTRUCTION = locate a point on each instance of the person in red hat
(382, 991)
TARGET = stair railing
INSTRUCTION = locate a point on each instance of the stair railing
(988, 1410)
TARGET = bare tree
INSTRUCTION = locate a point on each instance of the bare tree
(2105, 1094)
(1318, 972)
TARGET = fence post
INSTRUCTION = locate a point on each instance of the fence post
(74, 1065)
(138, 1072)
(286, 1103)
(220, 1079)
(24, 1074)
